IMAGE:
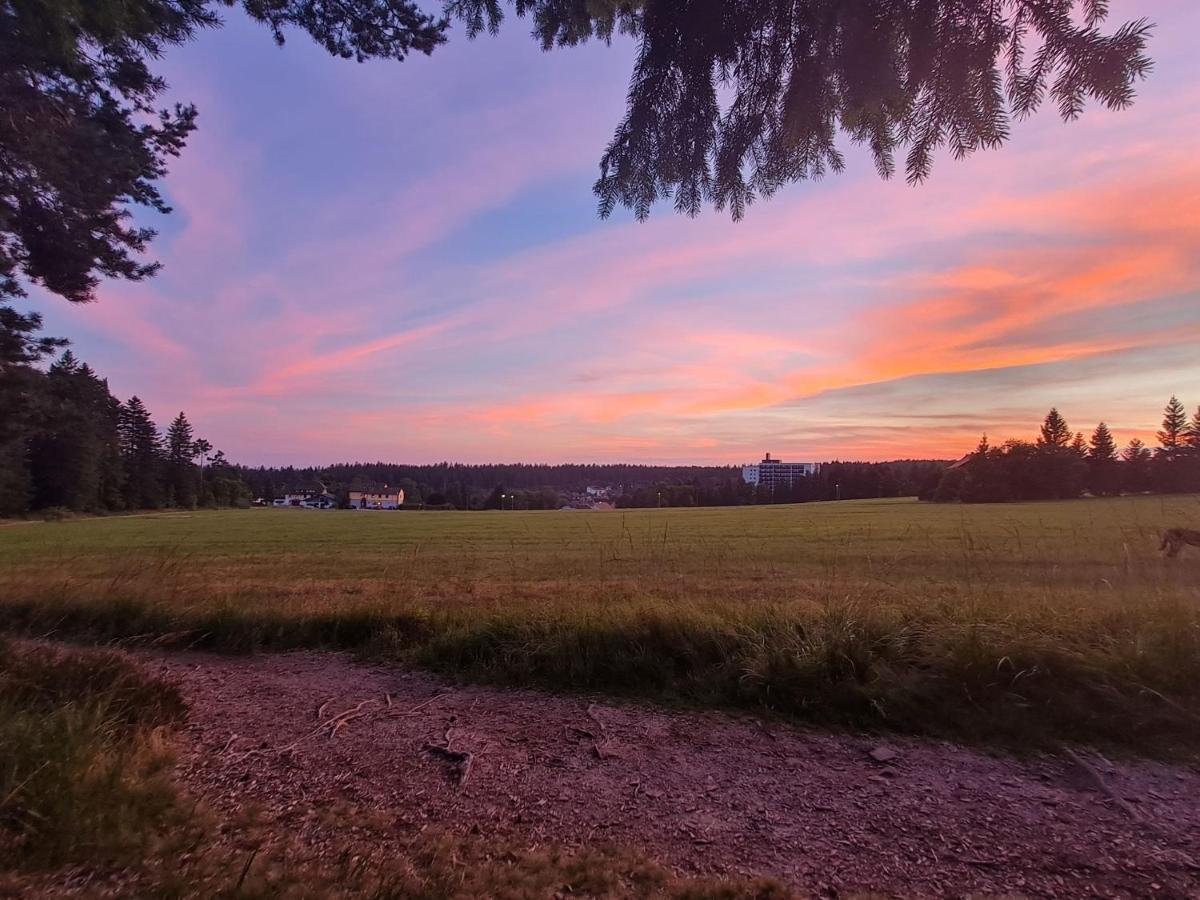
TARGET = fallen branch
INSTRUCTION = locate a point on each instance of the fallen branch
(334, 724)
(420, 706)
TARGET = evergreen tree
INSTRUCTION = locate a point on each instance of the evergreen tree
(1135, 464)
(181, 471)
(65, 440)
(1103, 448)
(1057, 466)
(22, 388)
(1103, 477)
(1171, 473)
(1079, 446)
(76, 457)
(180, 445)
(1189, 455)
(1174, 428)
(1054, 431)
(141, 456)
(1192, 436)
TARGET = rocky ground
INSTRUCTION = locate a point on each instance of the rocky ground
(317, 743)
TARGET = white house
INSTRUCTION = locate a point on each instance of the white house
(377, 498)
(306, 500)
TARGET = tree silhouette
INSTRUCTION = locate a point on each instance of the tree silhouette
(1174, 428)
(895, 76)
(1054, 431)
(729, 99)
(1102, 462)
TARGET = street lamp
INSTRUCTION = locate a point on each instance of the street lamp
(838, 488)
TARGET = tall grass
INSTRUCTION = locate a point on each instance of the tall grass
(1026, 676)
(82, 769)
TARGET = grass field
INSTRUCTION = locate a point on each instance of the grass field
(1020, 623)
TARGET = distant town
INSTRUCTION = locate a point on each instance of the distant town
(382, 487)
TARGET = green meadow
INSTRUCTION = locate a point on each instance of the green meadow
(1018, 624)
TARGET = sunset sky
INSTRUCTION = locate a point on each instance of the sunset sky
(403, 262)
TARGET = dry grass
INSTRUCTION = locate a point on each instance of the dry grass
(1023, 624)
(435, 865)
(82, 759)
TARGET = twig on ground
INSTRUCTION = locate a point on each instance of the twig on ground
(421, 706)
(334, 724)
(246, 870)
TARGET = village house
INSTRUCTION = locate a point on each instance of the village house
(307, 500)
(377, 497)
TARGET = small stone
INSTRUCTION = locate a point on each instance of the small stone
(883, 754)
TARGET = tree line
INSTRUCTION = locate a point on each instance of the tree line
(1060, 465)
(542, 486)
(467, 486)
(832, 481)
(67, 443)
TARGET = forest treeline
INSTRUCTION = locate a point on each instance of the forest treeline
(467, 486)
(66, 443)
(543, 486)
(1060, 465)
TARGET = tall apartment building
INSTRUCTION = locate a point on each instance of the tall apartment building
(772, 473)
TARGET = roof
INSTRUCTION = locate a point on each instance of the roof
(376, 489)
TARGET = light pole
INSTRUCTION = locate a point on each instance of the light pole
(838, 488)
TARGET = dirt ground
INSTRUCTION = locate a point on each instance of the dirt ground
(705, 793)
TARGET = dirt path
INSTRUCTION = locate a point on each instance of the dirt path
(705, 793)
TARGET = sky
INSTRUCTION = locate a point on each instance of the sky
(403, 262)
